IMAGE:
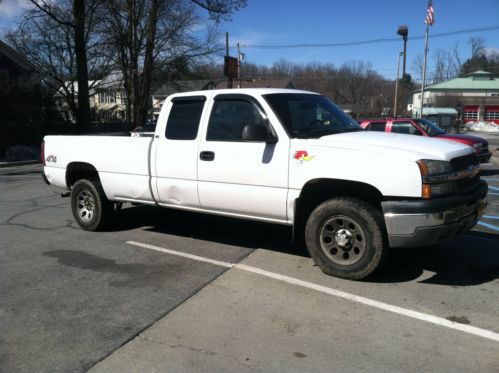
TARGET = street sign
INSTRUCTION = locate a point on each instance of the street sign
(230, 67)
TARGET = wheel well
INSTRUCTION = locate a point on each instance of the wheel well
(320, 190)
(80, 170)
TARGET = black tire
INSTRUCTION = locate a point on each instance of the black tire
(345, 238)
(91, 209)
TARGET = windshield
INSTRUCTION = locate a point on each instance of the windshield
(429, 127)
(310, 116)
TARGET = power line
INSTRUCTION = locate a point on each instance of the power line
(371, 41)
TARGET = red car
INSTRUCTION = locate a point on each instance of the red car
(424, 127)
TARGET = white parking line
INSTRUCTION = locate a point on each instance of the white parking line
(334, 292)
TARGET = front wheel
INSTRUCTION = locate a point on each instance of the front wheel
(91, 208)
(345, 238)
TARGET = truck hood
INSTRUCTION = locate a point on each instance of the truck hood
(395, 144)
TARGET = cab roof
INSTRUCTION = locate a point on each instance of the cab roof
(246, 91)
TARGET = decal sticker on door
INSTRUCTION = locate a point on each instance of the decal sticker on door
(302, 155)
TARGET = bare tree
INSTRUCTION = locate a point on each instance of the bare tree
(417, 64)
(477, 45)
(283, 67)
(441, 66)
(51, 47)
(353, 77)
(147, 34)
(456, 59)
(446, 64)
(79, 20)
(354, 84)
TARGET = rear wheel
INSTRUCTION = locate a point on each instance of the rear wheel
(345, 238)
(91, 209)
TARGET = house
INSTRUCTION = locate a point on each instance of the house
(61, 103)
(20, 89)
(109, 103)
(14, 68)
(477, 94)
(107, 98)
(169, 88)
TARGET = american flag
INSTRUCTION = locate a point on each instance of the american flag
(429, 14)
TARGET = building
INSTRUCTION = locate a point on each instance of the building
(109, 101)
(21, 95)
(476, 94)
(71, 88)
(14, 68)
(169, 88)
(107, 98)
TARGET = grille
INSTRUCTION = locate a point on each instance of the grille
(461, 163)
(485, 149)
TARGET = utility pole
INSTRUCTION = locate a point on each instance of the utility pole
(238, 66)
(424, 69)
(397, 87)
(229, 81)
(404, 32)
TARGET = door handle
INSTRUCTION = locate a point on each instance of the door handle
(207, 156)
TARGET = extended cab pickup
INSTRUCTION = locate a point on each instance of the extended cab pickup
(280, 156)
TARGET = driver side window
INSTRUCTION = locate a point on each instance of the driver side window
(228, 118)
(405, 127)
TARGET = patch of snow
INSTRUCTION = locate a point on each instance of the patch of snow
(482, 126)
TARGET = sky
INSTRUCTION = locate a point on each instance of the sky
(284, 22)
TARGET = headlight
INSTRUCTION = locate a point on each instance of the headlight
(431, 168)
(477, 145)
(434, 175)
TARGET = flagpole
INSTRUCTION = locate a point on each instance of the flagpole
(424, 69)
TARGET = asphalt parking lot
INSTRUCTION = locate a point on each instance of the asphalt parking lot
(173, 291)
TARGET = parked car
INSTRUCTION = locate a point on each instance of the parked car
(424, 127)
(145, 130)
(280, 156)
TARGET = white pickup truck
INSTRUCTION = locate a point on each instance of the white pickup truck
(280, 156)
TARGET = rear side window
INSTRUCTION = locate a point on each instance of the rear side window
(405, 127)
(376, 126)
(183, 121)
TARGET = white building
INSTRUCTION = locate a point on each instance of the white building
(477, 94)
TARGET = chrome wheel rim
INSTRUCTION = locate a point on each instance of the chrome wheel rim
(85, 206)
(343, 240)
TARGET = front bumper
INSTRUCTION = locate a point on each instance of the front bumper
(425, 222)
(484, 157)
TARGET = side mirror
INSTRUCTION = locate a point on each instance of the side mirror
(257, 133)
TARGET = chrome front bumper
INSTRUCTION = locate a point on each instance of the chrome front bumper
(424, 222)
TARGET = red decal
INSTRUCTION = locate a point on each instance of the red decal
(300, 154)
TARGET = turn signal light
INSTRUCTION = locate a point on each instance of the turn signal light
(426, 191)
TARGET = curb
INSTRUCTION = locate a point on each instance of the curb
(21, 163)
